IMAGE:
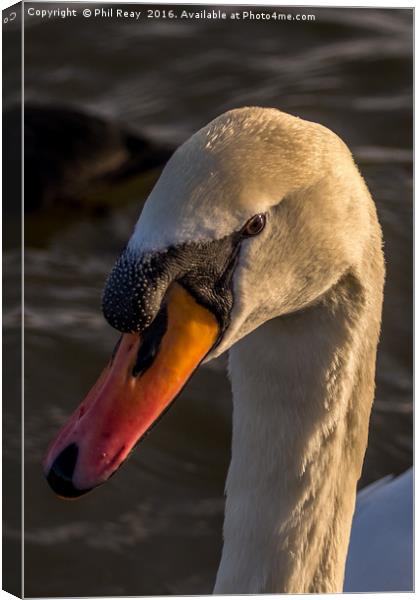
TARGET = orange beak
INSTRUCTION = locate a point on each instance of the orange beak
(131, 393)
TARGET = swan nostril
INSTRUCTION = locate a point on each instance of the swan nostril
(61, 473)
(150, 345)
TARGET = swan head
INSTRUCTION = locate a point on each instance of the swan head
(248, 164)
(256, 216)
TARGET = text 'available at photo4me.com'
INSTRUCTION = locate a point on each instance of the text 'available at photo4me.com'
(169, 13)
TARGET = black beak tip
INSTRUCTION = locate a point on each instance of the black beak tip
(61, 472)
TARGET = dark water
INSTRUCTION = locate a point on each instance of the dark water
(155, 528)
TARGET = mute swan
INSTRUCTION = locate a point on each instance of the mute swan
(380, 554)
(260, 237)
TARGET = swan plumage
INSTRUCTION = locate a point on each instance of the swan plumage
(380, 557)
(299, 309)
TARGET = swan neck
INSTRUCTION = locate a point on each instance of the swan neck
(302, 388)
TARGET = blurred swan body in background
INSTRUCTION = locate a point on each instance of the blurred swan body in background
(380, 557)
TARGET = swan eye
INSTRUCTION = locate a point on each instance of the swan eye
(254, 226)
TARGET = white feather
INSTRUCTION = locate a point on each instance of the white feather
(302, 338)
(380, 557)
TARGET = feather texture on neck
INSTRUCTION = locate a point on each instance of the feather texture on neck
(303, 388)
